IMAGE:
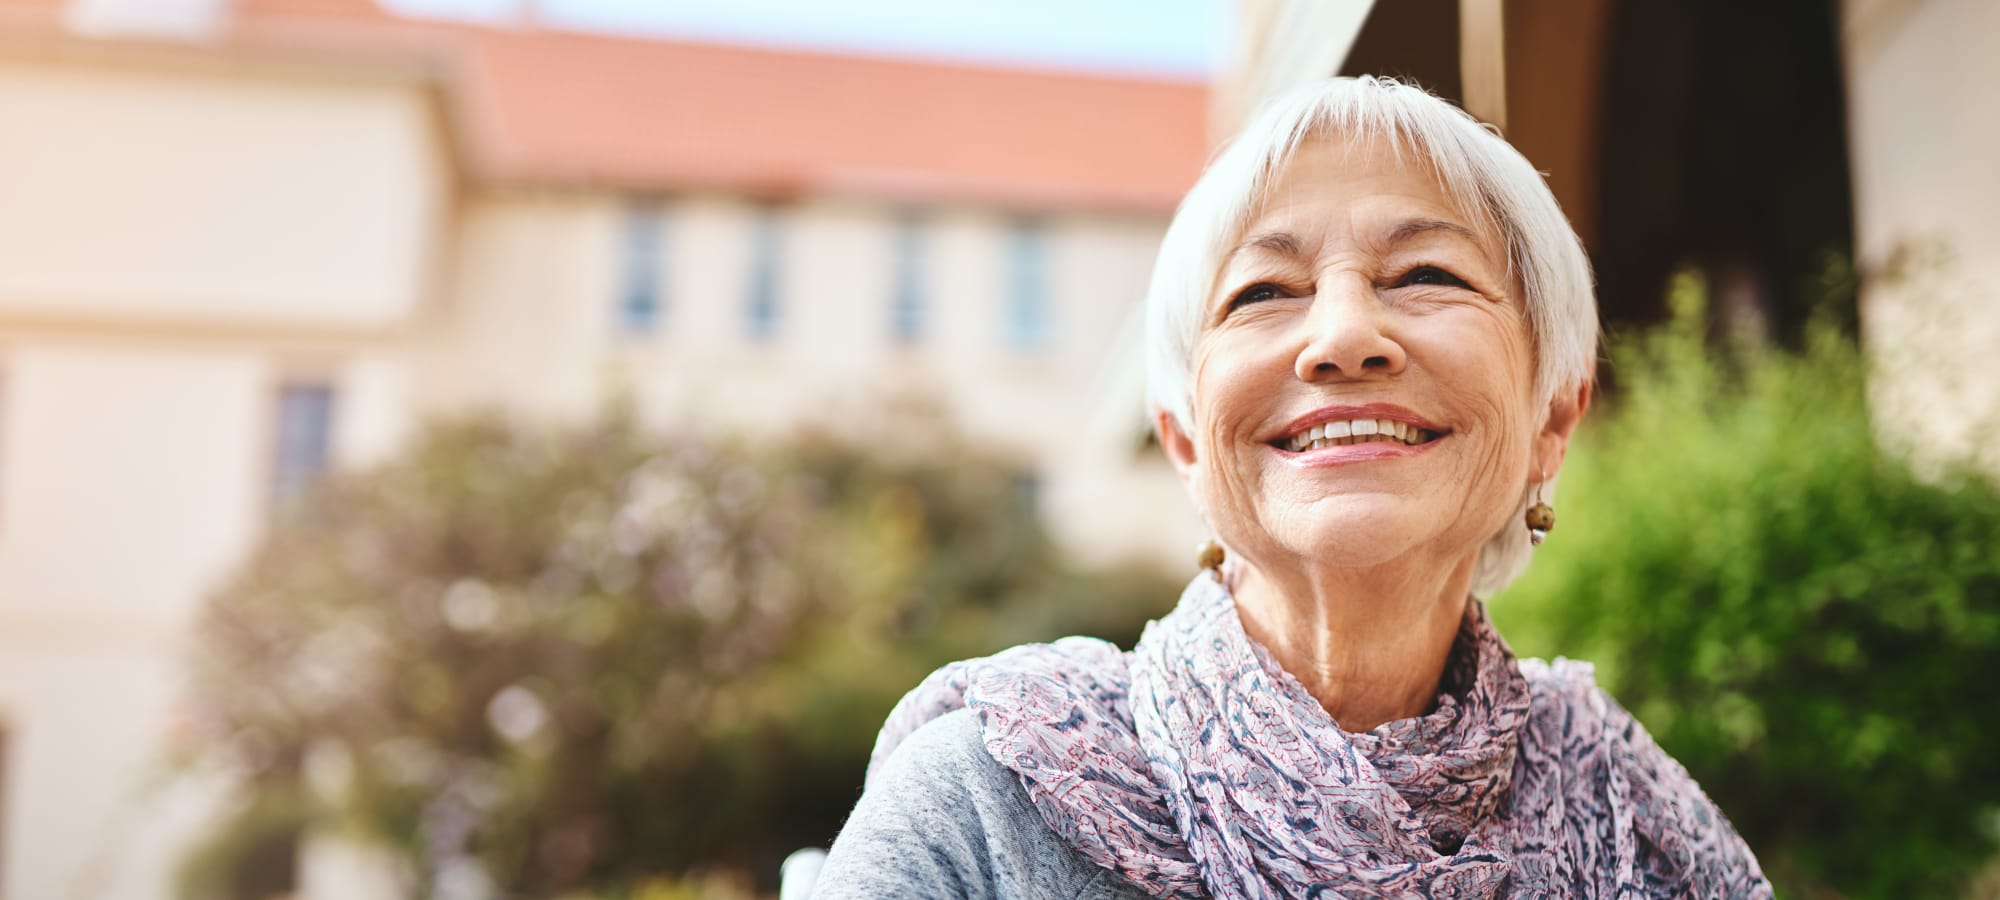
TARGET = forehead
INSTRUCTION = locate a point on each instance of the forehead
(1366, 182)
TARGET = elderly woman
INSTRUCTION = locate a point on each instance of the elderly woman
(1371, 334)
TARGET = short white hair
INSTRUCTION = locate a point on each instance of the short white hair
(1486, 176)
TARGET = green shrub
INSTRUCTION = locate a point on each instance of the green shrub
(596, 660)
(1795, 615)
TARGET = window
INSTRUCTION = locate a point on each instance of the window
(305, 431)
(640, 300)
(1026, 486)
(906, 299)
(761, 312)
(1027, 316)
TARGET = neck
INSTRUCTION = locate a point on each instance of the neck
(1369, 644)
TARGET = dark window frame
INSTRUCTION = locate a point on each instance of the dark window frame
(642, 269)
(909, 318)
(763, 313)
(304, 415)
(1027, 323)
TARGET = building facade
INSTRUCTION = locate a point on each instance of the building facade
(243, 243)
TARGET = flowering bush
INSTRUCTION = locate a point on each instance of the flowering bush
(588, 660)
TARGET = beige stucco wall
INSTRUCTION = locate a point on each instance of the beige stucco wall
(175, 242)
(134, 475)
(521, 327)
(200, 192)
(1923, 128)
(125, 490)
(531, 328)
(89, 814)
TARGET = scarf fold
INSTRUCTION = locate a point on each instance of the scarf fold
(1196, 766)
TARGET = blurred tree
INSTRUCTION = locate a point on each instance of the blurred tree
(1796, 615)
(588, 660)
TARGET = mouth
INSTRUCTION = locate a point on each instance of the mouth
(1374, 425)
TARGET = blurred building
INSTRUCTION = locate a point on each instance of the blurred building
(1792, 152)
(244, 242)
(1925, 136)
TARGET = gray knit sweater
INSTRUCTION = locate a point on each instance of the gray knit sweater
(943, 819)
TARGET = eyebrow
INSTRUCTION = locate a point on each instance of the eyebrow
(1284, 243)
(1414, 227)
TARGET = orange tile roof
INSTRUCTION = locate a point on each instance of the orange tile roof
(539, 106)
(648, 113)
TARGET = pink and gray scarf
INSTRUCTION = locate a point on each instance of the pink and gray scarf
(1195, 766)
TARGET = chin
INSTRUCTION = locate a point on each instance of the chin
(1356, 536)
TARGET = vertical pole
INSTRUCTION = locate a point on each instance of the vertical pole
(1482, 59)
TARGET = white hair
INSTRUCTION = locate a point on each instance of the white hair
(1486, 176)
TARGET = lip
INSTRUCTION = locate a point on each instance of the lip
(1355, 453)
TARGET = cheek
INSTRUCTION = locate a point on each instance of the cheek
(1228, 384)
(1484, 360)
(1487, 371)
(1227, 413)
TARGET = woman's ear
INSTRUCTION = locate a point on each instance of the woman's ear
(1565, 411)
(1179, 447)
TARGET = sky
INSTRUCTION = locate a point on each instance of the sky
(1169, 38)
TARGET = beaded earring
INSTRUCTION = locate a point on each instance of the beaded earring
(1210, 556)
(1541, 518)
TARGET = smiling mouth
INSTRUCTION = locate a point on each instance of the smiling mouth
(1357, 431)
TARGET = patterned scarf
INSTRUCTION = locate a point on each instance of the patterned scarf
(1196, 766)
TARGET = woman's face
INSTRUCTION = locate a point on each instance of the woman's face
(1362, 308)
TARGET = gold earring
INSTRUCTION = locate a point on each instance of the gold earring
(1541, 518)
(1210, 556)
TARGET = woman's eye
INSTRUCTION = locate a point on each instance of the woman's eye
(1432, 275)
(1256, 293)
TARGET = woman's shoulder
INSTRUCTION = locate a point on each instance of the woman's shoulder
(946, 759)
(1574, 719)
(1567, 704)
(941, 817)
(1603, 750)
(1028, 679)
(1561, 679)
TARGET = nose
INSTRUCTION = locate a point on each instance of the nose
(1347, 333)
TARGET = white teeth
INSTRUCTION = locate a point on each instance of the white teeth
(1341, 434)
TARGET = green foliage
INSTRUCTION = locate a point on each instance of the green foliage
(253, 854)
(598, 661)
(1793, 613)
